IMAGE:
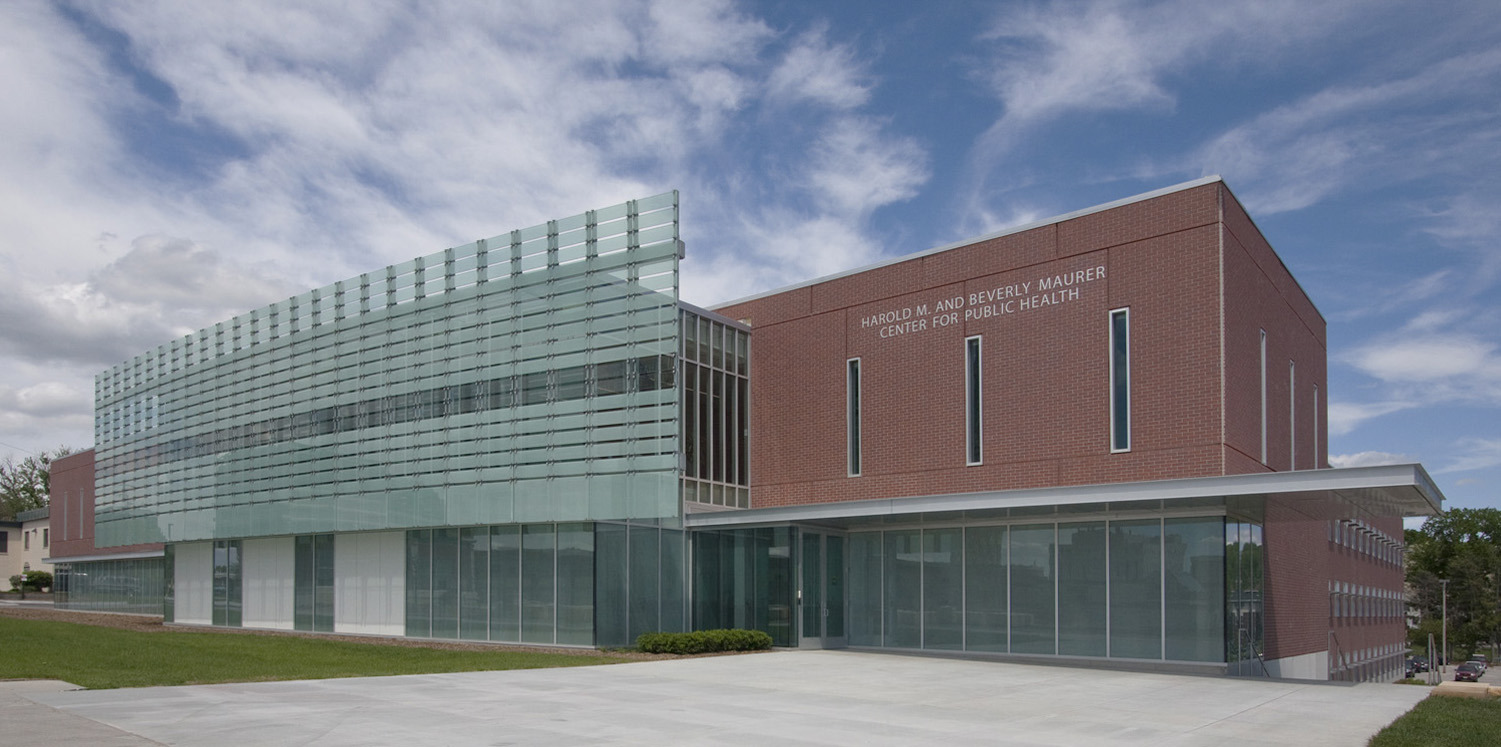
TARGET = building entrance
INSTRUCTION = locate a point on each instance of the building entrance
(821, 590)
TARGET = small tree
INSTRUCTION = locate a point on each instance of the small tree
(27, 484)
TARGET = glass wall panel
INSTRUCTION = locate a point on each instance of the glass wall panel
(943, 588)
(714, 597)
(985, 588)
(1081, 589)
(865, 589)
(742, 579)
(505, 583)
(234, 603)
(538, 555)
(169, 585)
(445, 583)
(1136, 589)
(834, 564)
(902, 568)
(221, 582)
(140, 586)
(304, 583)
(474, 583)
(674, 595)
(1193, 589)
(576, 584)
(645, 576)
(368, 382)
(1243, 589)
(811, 601)
(323, 577)
(1032, 589)
(610, 569)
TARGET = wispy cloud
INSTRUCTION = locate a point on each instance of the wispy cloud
(816, 70)
(1345, 417)
(294, 144)
(1297, 154)
(1368, 459)
(1474, 454)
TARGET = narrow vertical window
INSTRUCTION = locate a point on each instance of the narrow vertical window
(1120, 380)
(1263, 396)
(973, 452)
(853, 421)
(1316, 464)
(1292, 415)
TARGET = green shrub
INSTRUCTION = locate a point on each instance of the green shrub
(35, 581)
(703, 642)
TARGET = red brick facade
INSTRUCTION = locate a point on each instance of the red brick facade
(72, 515)
(1200, 283)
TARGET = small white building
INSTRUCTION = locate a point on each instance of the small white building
(24, 543)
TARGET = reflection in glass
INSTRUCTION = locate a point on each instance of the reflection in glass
(903, 589)
(1032, 590)
(985, 588)
(1081, 589)
(943, 588)
(1136, 589)
(1193, 588)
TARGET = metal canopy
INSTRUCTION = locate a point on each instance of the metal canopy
(1390, 490)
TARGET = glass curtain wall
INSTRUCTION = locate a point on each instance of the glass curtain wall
(526, 378)
(135, 585)
(313, 583)
(743, 578)
(715, 411)
(1151, 588)
(641, 582)
(1244, 585)
(228, 604)
(529, 583)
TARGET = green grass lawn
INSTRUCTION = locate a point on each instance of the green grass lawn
(1443, 721)
(97, 657)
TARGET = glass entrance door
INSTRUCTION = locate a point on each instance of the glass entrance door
(821, 590)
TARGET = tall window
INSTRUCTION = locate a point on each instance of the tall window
(853, 421)
(973, 452)
(1263, 396)
(1316, 426)
(1292, 415)
(1120, 380)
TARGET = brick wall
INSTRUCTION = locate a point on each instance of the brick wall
(72, 509)
(1046, 365)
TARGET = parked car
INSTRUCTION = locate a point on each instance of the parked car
(1417, 664)
(1478, 664)
(1467, 672)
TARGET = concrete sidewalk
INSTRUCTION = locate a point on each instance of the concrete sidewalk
(799, 697)
(23, 721)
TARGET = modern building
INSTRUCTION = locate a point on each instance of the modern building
(124, 578)
(1099, 437)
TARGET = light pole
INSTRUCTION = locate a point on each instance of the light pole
(1444, 667)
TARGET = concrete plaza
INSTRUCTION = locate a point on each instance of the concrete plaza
(789, 697)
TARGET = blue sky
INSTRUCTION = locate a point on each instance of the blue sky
(168, 165)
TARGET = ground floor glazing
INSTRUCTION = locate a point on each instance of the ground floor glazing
(1156, 588)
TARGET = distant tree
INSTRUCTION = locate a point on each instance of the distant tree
(1462, 545)
(26, 484)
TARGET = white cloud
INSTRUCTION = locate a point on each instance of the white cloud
(1345, 417)
(1368, 459)
(1427, 359)
(294, 144)
(855, 168)
(815, 70)
(1475, 453)
(1295, 155)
